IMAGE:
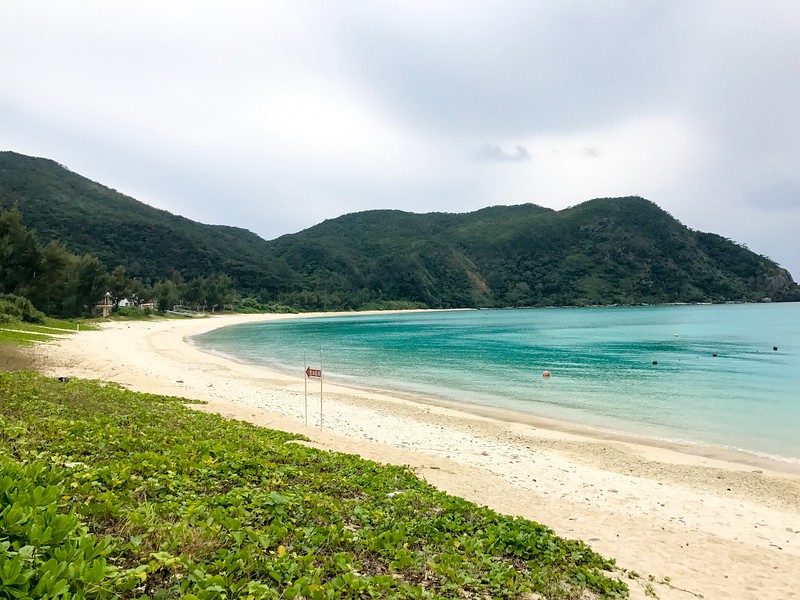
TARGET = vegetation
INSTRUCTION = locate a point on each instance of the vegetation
(150, 244)
(106, 493)
(18, 309)
(15, 332)
(65, 284)
(604, 251)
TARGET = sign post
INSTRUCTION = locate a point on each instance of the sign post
(313, 372)
(317, 374)
(305, 386)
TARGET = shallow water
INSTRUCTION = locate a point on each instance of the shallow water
(601, 360)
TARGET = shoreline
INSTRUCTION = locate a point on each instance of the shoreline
(714, 523)
(746, 458)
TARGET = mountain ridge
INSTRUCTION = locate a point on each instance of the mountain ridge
(602, 251)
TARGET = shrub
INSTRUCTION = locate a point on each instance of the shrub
(134, 312)
(16, 308)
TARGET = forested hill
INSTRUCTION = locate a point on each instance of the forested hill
(610, 250)
(90, 218)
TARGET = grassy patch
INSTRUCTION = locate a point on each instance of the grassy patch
(18, 332)
(115, 494)
(42, 329)
(82, 325)
(12, 335)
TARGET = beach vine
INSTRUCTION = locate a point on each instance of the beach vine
(108, 493)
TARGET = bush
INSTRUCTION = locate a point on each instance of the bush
(251, 305)
(16, 308)
(134, 312)
(6, 318)
(393, 305)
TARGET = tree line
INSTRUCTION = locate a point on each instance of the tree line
(61, 283)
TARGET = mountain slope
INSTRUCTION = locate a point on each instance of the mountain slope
(608, 250)
(149, 243)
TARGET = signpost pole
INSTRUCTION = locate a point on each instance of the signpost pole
(318, 374)
(305, 383)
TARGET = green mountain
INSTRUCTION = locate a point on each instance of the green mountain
(92, 219)
(608, 250)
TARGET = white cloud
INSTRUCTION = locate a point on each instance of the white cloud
(494, 153)
(645, 156)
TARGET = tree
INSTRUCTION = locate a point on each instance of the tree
(166, 294)
(49, 287)
(218, 291)
(20, 254)
(139, 291)
(119, 285)
(195, 294)
(87, 283)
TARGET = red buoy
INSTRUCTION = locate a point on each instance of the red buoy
(546, 374)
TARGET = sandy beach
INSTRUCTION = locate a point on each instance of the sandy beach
(702, 523)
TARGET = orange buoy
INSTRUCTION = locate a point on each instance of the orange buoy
(546, 374)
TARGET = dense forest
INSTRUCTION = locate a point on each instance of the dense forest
(66, 240)
(38, 278)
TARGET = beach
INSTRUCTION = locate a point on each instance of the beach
(703, 523)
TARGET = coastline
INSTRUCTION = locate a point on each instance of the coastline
(717, 523)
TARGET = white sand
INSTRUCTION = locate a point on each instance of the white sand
(713, 526)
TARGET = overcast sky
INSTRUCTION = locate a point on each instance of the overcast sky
(274, 116)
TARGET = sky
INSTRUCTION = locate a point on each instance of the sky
(275, 116)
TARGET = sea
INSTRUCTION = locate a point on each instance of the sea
(719, 376)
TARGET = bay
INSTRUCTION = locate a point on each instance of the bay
(697, 374)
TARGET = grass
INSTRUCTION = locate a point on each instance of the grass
(27, 334)
(11, 335)
(106, 493)
(17, 332)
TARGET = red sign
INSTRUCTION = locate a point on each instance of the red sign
(313, 372)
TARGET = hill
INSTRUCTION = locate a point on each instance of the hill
(90, 218)
(604, 251)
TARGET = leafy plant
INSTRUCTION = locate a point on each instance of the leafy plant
(143, 497)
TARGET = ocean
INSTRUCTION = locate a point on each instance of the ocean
(725, 376)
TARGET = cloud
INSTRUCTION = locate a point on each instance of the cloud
(278, 115)
(494, 153)
(591, 151)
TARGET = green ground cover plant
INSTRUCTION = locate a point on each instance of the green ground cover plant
(11, 335)
(17, 332)
(107, 493)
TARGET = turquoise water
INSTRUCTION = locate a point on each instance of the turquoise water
(747, 397)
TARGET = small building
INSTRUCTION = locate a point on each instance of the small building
(106, 305)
